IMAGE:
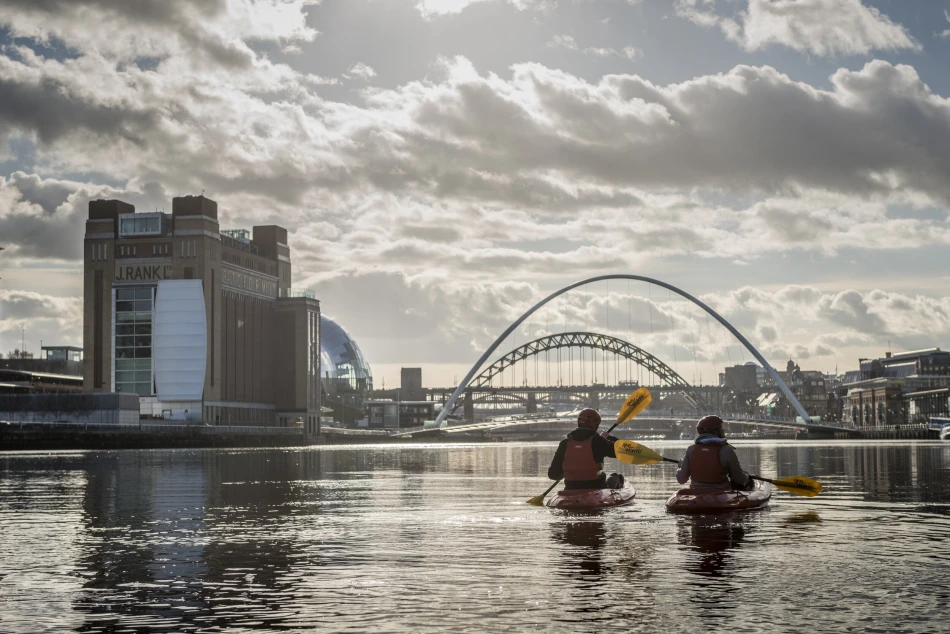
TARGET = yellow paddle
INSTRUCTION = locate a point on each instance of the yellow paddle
(635, 403)
(796, 485)
(635, 453)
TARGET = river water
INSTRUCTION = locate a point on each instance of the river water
(438, 538)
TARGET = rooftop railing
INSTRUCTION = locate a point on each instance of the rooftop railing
(299, 292)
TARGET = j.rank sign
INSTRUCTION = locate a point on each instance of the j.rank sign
(142, 272)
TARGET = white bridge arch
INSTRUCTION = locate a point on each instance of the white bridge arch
(440, 419)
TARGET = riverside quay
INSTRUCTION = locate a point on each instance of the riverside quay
(200, 323)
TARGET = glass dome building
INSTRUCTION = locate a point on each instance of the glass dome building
(342, 365)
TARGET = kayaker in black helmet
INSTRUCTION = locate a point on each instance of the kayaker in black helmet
(711, 462)
(580, 457)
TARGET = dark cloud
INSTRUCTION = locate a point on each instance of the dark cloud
(181, 21)
(791, 226)
(850, 309)
(47, 109)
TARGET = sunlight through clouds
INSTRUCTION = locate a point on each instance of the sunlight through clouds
(404, 156)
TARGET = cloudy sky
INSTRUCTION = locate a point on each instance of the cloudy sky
(444, 164)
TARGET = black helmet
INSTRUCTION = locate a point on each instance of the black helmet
(709, 425)
(588, 418)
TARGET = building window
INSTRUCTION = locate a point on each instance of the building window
(133, 341)
(140, 224)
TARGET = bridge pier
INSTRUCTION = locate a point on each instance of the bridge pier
(532, 403)
(469, 408)
(594, 399)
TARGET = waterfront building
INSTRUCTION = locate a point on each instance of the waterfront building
(897, 389)
(926, 362)
(65, 360)
(30, 382)
(344, 367)
(389, 414)
(410, 384)
(58, 370)
(924, 405)
(741, 378)
(347, 377)
(809, 388)
(201, 323)
(874, 403)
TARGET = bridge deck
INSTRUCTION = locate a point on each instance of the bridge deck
(538, 419)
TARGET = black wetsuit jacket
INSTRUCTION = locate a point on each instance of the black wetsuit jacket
(602, 449)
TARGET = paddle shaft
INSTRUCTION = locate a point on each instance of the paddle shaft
(780, 483)
(550, 488)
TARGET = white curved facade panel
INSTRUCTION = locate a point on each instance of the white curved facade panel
(180, 340)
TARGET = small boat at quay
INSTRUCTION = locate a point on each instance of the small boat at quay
(592, 499)
(718, 500)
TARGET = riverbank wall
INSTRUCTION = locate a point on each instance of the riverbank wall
(26, 437)
(40, 437)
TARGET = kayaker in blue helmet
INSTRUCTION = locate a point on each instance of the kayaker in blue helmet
(711, 462)
(580, 457)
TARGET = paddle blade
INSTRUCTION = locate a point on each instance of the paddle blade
(537, 500)
(635, 453)
(798, 485)
(635, 403)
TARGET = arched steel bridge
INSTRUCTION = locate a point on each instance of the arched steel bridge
(667, 376)
(793, 401)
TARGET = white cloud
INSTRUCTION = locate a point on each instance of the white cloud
(538, 147)
(820, 27)
(632, 53)
(946, 32)
(362, 71)
(568, 42)
(57, 318)
(430, 8)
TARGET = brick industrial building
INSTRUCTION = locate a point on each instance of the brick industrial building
(200, 323)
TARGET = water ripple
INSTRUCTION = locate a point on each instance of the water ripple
(439, 539)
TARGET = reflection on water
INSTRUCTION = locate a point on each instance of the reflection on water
(708, 540)
(711, 537)
(583, 540)
(437, 538)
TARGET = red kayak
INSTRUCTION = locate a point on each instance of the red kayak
(717, 500)
(592, 499)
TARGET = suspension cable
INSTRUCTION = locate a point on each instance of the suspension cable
(673, 344)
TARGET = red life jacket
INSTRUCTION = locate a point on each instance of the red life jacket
(579, 463)
(704, 467)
